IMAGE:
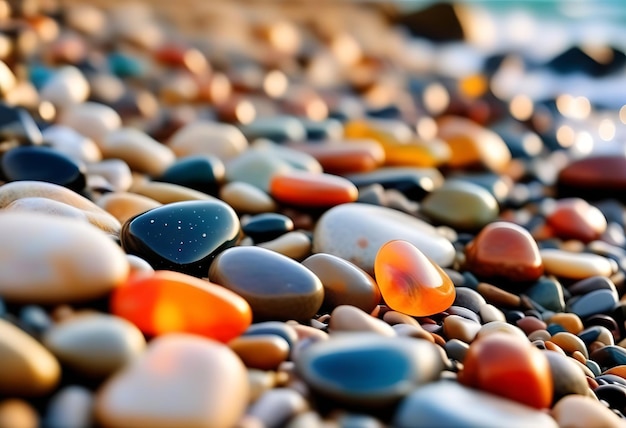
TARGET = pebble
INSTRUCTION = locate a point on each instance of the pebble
(256, 167)
(412, 182)
(126, 205)
(183, 236)
(504, 250)
(267, 226)
(28, 369)
(341, 159)
(457, 327)
(356, 231)
(116, 172)
(275, 286)
(575, 218)
(91, 119)
(46, 206)
(264, 352)
(569, 343)
(347, 318)
(168, 193)
(581, 412)
(295, 245)
(204, 384)
(311, 189)
(577, 266)
(460, 204)
(447, 403)
(595, 302)
(96, 345)
(70, 407)
(69, 142)
(548, 293)
(569, 321)
(246, 198)
(369, 370)
(594, 177)
(204, 173)
(15, 412)
(468, 298)
(65, 88)
(344, 283)
(208, 138)
(277, 406)
(167, 302)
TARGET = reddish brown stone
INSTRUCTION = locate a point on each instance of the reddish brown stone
(575, 218)
(597, 177)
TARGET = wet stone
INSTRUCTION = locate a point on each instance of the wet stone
(567, 377)
(347, 318)
(200, 172)
(597, 333)
(275, 286)
(16, 125)
(15, 412)
(595, 302)
(547, 292)
(43, 164)
(208, 138)
(614, 395)
(276, 328)
(412, 182)
(468, 298)
(575, 218)
(595, 177)
(277, 128)
(309, 189)
(593, 283)
(264, 352)
(571, 265)
(184, 236)
(609, 356)
(266, 226)
(246, 198)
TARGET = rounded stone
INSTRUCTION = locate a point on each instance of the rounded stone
(18, 413)
(116, 172)
(468, 298)
(346, 318)
(256, 167)
(596, 177)
(339, 158)
(91, 119)
(200, 172)
(547, 292)
(595, 302)
(567, 377)
(95, 345)
(577, 411)
(65, 88)
(46, 206)
(246, 198)
(202, 137)
(126, 205)
(369, 370)
(356, 231)
(277, 406)
(275, 286)
(295, 245)
(70, 407)
(168, 193)
(266, 226)
(575, 218)
(460, 204)
(48, 259)
(456, 327)
(569, 321)
(28, 369)
(277, 328)
(344, 282)
(567, 264)
(308, 189)
(69, 142)
(205, 384)
(183, 236)
(264, 352)
(504, 250)
(569, 343)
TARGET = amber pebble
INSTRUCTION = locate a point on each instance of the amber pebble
(596, 177)
(344, 282)
(569, 343)
(569, 321)
(504, 250)
(312, 189)
(531, 324)
(263, 351)
(617, 371)
(566, 264)
(167, 302)
(410, 282)
(342, 158)
(509, 367)
(575, 218)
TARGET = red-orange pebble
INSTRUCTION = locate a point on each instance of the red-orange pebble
(410, 282)
(507, 366)
(575, 218)
(312, 189)
(167, 302)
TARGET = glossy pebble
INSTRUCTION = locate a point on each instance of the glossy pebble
(50, 259)
(116, 172)
(576, 411)
(596, 177)
(166, 302)
(278, 406)
(181, 380)
(567, 376)
(168, 193)
(266, 226)
(340, 158)
(295, 245)
(66, 87)
(219, 139)
(264, 352)
(347, 318)
(355, 232)
(369, 370)
(510, 367)
(567, 264)
(504, 250)
(69, 142)
(183, 236)
(125, 205)
(456, 327)
(410, 282)
(256, 167)
(575, 218)
(15, 412)
(91, 119)
(311, 189)
(204, 173)
(46, 206)
(246, 198)
(275, 286)
(595, 302)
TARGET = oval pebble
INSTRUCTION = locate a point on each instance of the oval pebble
(356, 231)
(46, 206)
(204, 384)
(456, 327)
(91, 119)
(308, 189)
(65, 88)
(266, 226)
(18, 413)
(204, 173)
(65, 140)
(256, 167)
(295, 245)
(70, 407)
(567, 377)
(203, 137)
(567, 264)
(246, 198)
(346, 318)
(277, 406)
(576, 411)
(264, 352)
(596, 302)
(168, 193)
(575, 218)
(126, 205)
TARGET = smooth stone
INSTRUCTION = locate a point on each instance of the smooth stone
(246, 198)
(575, 218)
(597, 333)
(170, 302)
(260, 381)
(69, 142)
(256, 167)
(48, 259)
(17, 125)
(614, 395)
(125, 205)
(547, 292)
(448, 403)
(498, 296)
(593, 177)
(344, 282)
(595, 302)
(593, 283)
(456, 349)
(264, 352)
(277, 128)
(91, 119)
(200, 172)
(531, 324)
(569, 343)
(504, 250)
(70, 407)
(18, 413)
(12, 192)
(46, 206)
(347, 318)
(569, 321)
(115, 171)
(208, 138)
(367, 369)
(298, 160)
(494, 327)
(495, 357)
(277, 406)
(96, 345)
(339, 158)
(412, 182)
(577, 266)
(266, 226)
(577, 411)
(277, 328)
(356, 231)
(489, 313)
(461, 205)
(410, 282)
(295, 245)
(65, 88)
(308, 189)
(468, 298)
(182, 236)
(457, 327)
(498, 185)
(609, 356)
(473, 145)
(141, 152)
(275, 286)
(168, 193)
(205, 385)
(28, 369)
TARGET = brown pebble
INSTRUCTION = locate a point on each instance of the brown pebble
(531, 324)
(463, 329)
(498, 296)
(411, 330)
(16, 413)
(261, 351)
(569, 321)
(346, 318)
(551, 346)
(570, 343)
(393, 317)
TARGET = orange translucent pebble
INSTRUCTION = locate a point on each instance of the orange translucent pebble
(341, 158)
(410, 282)
(417, 153)
(167, 302)
(312, 189)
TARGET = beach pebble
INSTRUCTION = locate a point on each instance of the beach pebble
(264, 352)
(115, 171)
(266, 226)
(567, 377)
(91, 119)
(456, 327)
(205, 384)
(256, 167)
(571, 265)
(295, 245)
(246, 198)
(65, 140)
(575, 218)
(125, 205)
(309, 189)
(49, 259)
(356, 231)
(28, 369)
(18, 413)
(65, 88)
(594, 177)
(96, 345)
(46, 206)
(347, 318)
(275, 286)
(190, 305)
(204, 173)
(340, 158)
(277, 406)
(576, 411)
(70, 407)
(202, 137)
(168, 193)
(595, 302)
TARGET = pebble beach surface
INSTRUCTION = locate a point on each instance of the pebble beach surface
(307, 215)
